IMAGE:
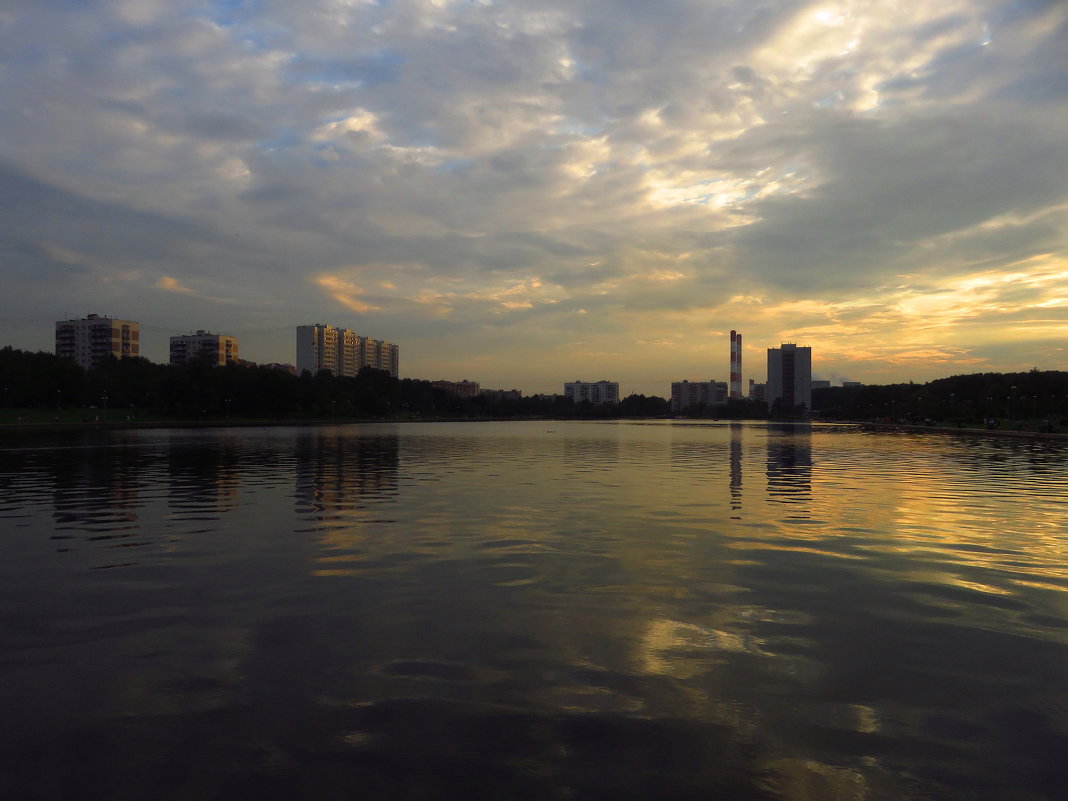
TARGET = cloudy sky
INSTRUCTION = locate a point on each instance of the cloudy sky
(523, 192)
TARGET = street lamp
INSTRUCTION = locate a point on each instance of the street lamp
(104, 398)
(228, 408)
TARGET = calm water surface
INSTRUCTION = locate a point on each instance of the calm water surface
(533, 611)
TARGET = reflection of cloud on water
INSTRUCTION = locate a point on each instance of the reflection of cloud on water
(810, 780)
(204, 669)
(684, 650)
(734, 675)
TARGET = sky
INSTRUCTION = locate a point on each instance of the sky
(527, 193)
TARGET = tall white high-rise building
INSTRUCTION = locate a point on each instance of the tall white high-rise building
(343, 352)
(93, 339)
(790, 377)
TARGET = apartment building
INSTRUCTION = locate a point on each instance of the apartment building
(686, 394)
(91, 340)
(343, 352)
(596, 392)
(464, 389)
(217, 349)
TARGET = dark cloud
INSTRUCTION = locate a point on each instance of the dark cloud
(887, 186)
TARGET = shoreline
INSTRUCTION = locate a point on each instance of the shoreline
(41, 426)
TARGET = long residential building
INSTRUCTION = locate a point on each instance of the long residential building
(463, 389)
(596, 392)
(687, 394)
(91, 340)
(343, 352)
(790, 377)
(217, 349)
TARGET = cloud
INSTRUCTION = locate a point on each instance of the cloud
(172, 285)
(345, 292)
(470, 177)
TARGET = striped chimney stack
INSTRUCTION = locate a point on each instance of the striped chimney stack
(736, 365)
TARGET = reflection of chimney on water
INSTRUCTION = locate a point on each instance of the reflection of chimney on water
(736, 468)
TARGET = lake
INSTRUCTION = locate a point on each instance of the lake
(535, 610)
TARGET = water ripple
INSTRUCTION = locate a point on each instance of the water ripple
(609, 610)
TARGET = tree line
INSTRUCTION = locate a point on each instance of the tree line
(993, 399)
(139, 389)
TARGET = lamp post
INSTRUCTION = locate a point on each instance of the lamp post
(227, 409)
(104, 398)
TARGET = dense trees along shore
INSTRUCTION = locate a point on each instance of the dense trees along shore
(1036, 400)
(41, 387)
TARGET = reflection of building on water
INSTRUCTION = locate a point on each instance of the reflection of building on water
(203, 476)
(712, 457)
(736, 467)
(790, 466)
(96, 489)
(338, 471)
(585, 453)
(339, 474)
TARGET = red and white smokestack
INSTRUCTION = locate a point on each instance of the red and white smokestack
(736, 365)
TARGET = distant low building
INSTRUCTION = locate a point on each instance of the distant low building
(217, 349)
(758, 392)
(819, 383)
(688, 394)
(463, 389)
(502, 394)
(285, 368)
(849, 384)
(93, 339)
(596, 392)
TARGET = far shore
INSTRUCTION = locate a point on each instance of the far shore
(69, 425)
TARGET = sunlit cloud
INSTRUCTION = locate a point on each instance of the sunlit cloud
(170, 284)
(347, 293)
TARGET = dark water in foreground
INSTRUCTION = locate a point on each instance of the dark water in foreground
(533, 611)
